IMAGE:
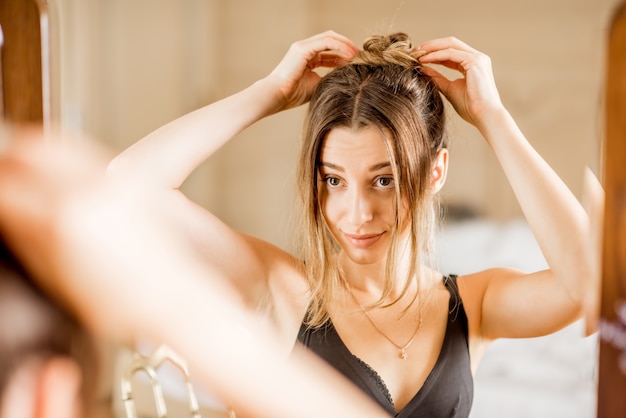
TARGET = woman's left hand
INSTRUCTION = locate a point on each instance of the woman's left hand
(474, 95)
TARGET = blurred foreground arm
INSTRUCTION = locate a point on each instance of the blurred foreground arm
(113, 256)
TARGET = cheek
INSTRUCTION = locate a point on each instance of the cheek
(331, 208)
(387, 209)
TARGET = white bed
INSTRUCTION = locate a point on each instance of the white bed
(551, 376)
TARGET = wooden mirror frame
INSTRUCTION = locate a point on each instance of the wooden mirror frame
(612, 357)
(25, 61)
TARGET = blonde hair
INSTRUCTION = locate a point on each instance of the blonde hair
(383, 86)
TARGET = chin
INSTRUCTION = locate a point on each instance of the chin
(365, 257)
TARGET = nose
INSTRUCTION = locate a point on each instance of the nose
(360, 208)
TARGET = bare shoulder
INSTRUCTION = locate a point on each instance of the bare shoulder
(472, 286)
(472, 290)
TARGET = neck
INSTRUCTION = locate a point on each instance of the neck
(368, 280)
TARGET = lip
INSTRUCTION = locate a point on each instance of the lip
(363, 241)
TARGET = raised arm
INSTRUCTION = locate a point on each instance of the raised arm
(266, 276)
(546, 300)
(168, 155)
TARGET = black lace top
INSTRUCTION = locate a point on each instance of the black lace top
(448, 389)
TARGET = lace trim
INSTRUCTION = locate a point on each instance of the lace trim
(374, 375)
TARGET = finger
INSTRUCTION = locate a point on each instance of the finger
(449, 64)
(445, 43)
(454, 59)
(327, 60)
(341, 42)
(327, 41)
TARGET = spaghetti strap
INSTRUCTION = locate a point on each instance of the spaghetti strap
(456, 304)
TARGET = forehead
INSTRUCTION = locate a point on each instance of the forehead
(364, 144)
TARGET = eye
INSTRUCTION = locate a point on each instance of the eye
(332, 181)
(384, 182)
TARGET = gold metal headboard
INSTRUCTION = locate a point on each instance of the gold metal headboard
(149, 365)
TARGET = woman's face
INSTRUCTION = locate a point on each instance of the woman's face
(357, 192)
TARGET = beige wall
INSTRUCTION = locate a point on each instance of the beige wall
(129, 66)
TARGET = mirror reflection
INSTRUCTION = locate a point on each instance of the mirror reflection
(127, 68)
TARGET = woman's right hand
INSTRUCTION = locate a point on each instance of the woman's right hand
(295, 77)
(474, 95)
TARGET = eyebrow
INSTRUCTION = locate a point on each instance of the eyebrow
(375, 167)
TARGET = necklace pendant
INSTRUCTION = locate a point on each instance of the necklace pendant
(403, 354)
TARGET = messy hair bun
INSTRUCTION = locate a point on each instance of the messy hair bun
(394, 49)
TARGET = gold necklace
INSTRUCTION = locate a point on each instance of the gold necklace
(402, 348)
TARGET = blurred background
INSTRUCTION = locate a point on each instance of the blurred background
(122, 68)
(127, 67)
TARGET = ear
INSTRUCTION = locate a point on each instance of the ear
(439, 171)
(59, 389)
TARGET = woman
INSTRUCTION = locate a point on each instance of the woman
(362, 293)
